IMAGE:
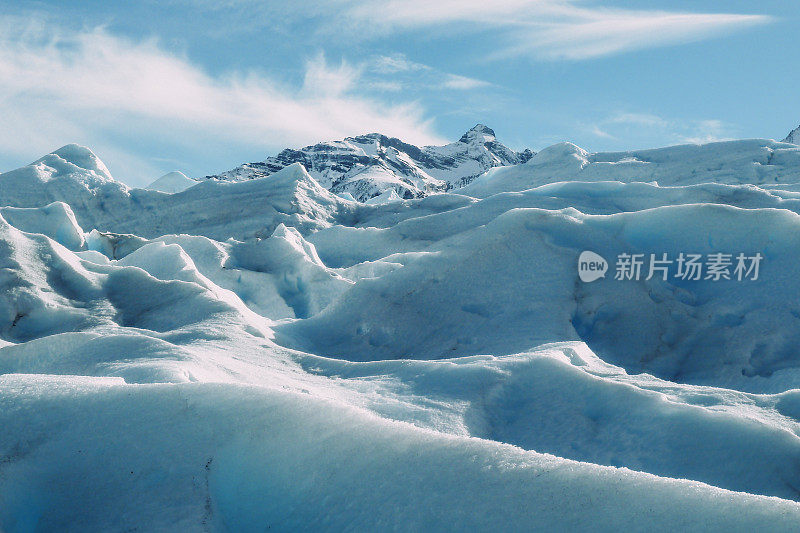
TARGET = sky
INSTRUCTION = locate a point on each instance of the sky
(202, 86)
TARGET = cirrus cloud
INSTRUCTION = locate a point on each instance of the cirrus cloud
(550, 29)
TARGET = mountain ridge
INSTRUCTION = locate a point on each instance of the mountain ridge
(794, 136)
(367, 165)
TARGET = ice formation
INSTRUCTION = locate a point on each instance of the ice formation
(270, 353)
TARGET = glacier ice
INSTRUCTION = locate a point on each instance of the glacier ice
(270, 353)
(749, 161)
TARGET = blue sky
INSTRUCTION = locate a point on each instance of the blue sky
(201, 86)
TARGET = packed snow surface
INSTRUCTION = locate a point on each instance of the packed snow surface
(271, 353)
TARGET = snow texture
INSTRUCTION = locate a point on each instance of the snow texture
(270, 353)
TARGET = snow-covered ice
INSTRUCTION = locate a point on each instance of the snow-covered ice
(270, 353)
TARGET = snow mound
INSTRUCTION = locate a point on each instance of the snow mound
(172, 182)
(567, 154)
(70, 161)
(73, 157)
(56, 220)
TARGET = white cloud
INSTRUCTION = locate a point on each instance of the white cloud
(321, 79)
(454, 81)
(541, 29)
(601, 33)
(60, 87)
(595, 130)
(705, 131)
(410, 14)
(395, 63)
(649, 128)
(550, 29)
(397, 71)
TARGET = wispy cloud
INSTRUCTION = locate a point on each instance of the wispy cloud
(550, 29)
(704, 131)
(454, 81)
(396, 71)
(60, 87)
(648, 128)
(392, 64)
(639, 119)
(539, 29)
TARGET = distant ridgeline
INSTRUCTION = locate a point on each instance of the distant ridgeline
(794, 136)
(368, 165)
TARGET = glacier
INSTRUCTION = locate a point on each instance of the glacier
(277, 352)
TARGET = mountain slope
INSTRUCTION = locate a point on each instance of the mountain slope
(794, 136)
(367, 165)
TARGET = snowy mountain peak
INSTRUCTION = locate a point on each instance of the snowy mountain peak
(793, 137)
(368, 165)
(480, 133)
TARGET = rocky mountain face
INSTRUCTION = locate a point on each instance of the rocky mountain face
(793, 137)
(368, 165)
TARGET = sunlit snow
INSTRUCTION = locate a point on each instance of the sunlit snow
(269, 353)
